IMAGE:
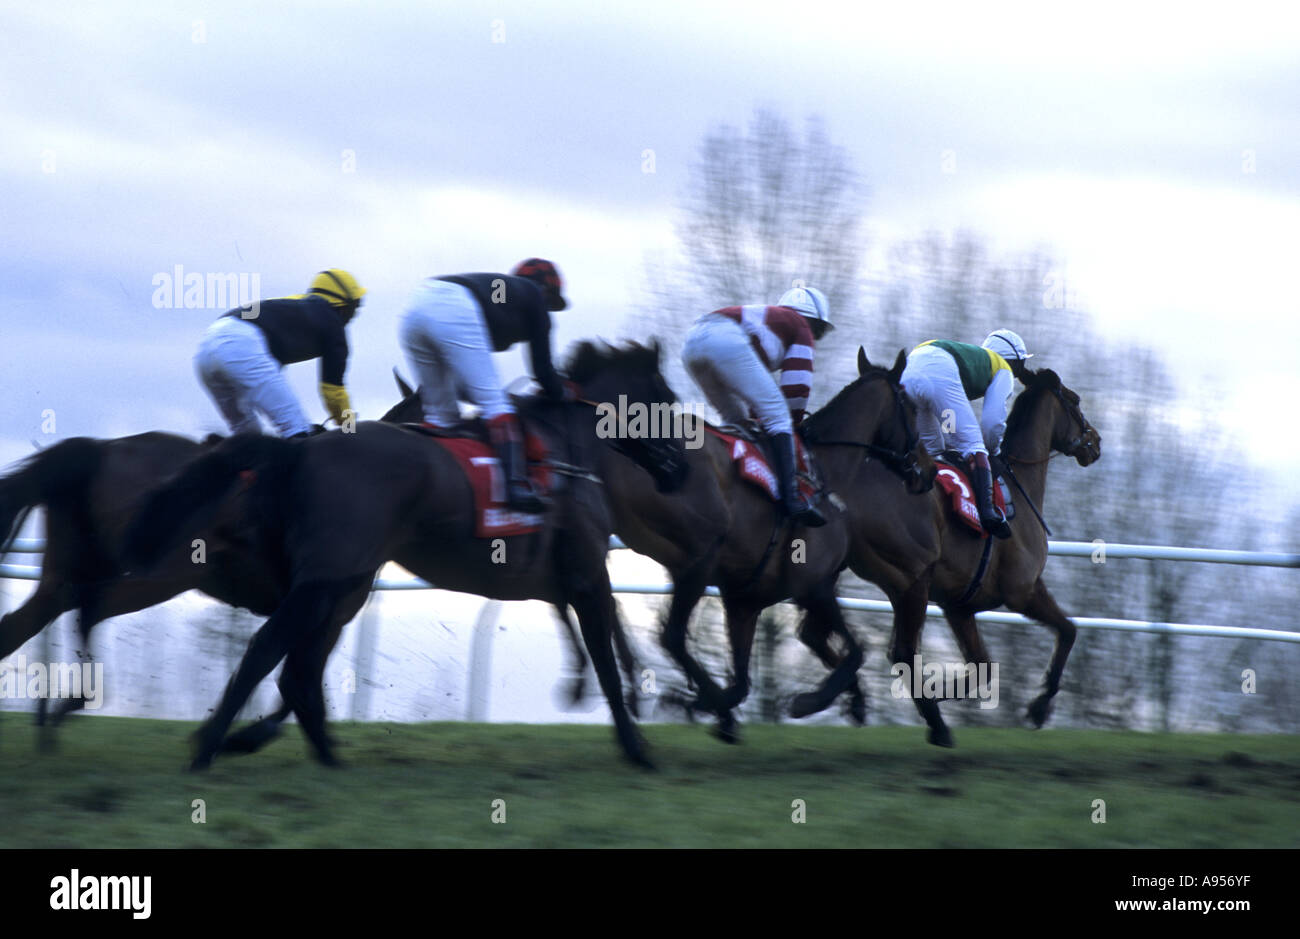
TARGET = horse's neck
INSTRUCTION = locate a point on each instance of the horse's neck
(1029, 450)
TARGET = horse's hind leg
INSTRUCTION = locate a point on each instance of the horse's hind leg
(40, 609)
(308, 669)
(576, 686)
(596, 614)
(296, 681)
(306, 608)
(742, 623)
(688, 587)
(824, 617)
(1042, 607)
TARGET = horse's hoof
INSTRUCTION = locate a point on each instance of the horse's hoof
(858, 710)
(726, 730)
(251, 738)
(804, 704)
(1039, 710)
(940, 737)
(47, 741)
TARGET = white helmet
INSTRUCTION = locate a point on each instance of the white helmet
(1004, 341)
(809, 301)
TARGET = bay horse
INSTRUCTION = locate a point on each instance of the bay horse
(338, 506)
(721, 530)
(917, 550)
(90, 489)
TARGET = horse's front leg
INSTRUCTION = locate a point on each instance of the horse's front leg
(1042, 607)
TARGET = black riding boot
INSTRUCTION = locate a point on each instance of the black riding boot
(520, 494)
(990, 517)
(795, 504)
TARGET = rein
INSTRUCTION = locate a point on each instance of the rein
(903, 462)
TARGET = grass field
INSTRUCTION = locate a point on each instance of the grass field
(117, 782)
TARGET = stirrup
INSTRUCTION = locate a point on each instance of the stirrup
(522, 497)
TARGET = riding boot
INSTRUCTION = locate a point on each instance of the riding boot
(990, 517)
(509, 445)
(798, 508)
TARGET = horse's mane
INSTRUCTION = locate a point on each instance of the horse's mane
(1038, 382)
(591, 357)
(819, 416)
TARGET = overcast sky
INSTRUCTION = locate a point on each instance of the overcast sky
(1156, 149)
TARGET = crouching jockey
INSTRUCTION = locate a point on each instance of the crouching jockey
(731, 354)
(450, 329)
(240, 357)
(943, 377)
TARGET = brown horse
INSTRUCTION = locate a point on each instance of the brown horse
(90, 489)
(340, 505)
(916, 550)
(721, 530)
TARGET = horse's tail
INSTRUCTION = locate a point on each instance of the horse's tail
(189, 500)
(60, 472)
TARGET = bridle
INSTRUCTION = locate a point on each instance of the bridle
(902, 462)
(1076, 415)
(662, 454)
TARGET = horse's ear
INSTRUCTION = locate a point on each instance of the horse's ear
(863, 363)
(658, 351)
(405, 389)
(900, 363)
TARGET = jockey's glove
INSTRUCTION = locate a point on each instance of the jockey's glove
(336, 400)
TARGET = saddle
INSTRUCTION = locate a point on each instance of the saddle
(751, 454)
(953, 478)
(467, 441)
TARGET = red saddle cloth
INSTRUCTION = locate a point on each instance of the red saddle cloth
(752, 465)
(492, 517)
(954, 481)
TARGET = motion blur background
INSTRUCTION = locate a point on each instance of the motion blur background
(1119, 187)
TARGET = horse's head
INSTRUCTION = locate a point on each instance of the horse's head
(636, 411)
(1071, 432)
(873, 412)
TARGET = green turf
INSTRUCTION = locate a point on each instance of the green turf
(121, 783)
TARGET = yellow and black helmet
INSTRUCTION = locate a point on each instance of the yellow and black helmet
(338, 287)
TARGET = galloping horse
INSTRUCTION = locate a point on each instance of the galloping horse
(90, 489)
(338, 506)
(916, 550)
(721, 530)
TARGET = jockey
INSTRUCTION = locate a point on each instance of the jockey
(942, 377)
(731, 354)
(241, 355)
(450, 329)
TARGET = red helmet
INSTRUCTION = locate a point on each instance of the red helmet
(544, 274)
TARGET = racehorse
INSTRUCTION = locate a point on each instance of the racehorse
(90, 489)
(917, 550)
(722, 530)
(337, 506)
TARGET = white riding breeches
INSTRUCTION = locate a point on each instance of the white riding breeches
(944, 416)
(720, 357)
(244, 379)
(446, 340)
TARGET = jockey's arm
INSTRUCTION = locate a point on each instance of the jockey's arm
(539, 348)
(333, 363)
(993, 419)
(796, 379)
